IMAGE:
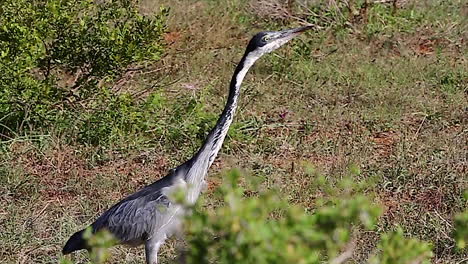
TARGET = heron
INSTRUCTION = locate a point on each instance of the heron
(149, 216)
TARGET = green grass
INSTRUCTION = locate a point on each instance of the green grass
(386, 97)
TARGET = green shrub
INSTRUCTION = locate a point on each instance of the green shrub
(461, 227)
(265, 229)
(57, 55)
(395, 248)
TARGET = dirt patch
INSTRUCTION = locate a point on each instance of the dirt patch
(62, 166)
(434, 200)
(172, 37)
(385, 143)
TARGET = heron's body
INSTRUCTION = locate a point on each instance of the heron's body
(149, 216)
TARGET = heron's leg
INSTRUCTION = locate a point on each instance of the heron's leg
(151, 249)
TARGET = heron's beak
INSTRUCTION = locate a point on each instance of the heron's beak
(293, 32)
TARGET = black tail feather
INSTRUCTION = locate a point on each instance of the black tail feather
(76, 242)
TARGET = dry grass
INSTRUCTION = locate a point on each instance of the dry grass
(393, 105)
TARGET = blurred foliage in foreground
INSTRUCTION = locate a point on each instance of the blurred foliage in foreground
(461, 227)
(265, 229)
(59, 57)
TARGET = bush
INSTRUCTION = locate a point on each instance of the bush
(57, 55)
(265, 229)
(395, 248)
(461, 227)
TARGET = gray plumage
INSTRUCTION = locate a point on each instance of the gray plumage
(149, 216)
(133, 219)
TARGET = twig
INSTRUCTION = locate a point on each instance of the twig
(156, 85)
(420, 126)
(40, 213)
(9, 129)
(383, 1)
(348, 253)
(443, 219)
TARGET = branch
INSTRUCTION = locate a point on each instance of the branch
(348, 253)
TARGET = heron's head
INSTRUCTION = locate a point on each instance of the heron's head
(268, 41)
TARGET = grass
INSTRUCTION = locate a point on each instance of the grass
(388, 98)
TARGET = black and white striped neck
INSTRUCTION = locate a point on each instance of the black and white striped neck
(209, 150)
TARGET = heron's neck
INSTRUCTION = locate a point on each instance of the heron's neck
(208, 151)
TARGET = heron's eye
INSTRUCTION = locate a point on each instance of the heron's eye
(266, 38)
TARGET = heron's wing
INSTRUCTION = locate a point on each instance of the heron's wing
(139, 216)
(136, 218)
